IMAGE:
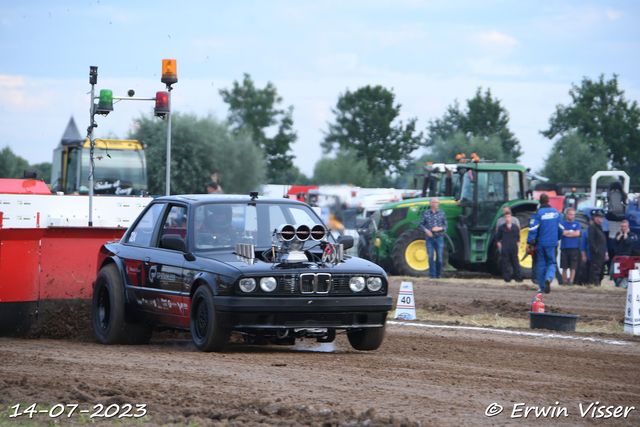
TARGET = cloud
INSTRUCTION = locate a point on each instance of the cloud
(491, 67)
(386, 38)
(496, 41)
(11, 81)
(338, 62)
(613, 14)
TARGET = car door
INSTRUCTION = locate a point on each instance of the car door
(137, 243)
(164, 282)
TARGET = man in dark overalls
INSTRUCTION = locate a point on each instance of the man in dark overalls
(597, 247)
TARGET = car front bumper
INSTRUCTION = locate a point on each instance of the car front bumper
(299, 312)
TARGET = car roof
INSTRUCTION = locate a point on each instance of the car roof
(224, 198)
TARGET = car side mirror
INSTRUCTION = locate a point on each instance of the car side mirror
(347, 241)
(173, 241)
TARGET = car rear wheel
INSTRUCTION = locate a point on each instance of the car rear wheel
(206, 333)
(108, 311)
(366, 339)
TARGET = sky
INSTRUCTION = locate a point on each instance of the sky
(429, 53)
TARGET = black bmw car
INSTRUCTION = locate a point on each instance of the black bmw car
(267, 269)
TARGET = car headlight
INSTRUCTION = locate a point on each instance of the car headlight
(268, 284)
(374, 284)
(386, 212)
(356, 284)
(247, 285)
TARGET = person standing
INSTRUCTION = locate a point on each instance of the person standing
(214, 188)
(501, 220)
(434, 225)
(508, 238)
(545, 230)
(597, 247)
(583, 278)
(625, 239)
(570, 247)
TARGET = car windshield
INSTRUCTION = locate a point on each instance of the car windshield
(222, 225)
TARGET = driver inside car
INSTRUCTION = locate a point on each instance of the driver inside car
(216, 228)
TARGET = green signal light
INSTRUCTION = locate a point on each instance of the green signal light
(105, 103)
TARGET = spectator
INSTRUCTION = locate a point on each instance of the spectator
(434, 225)
(545, 230)
(514, 220)
(583, 278)
(625, 239)
(508, 238)
(214, 188)
(570, 247)
(597, 247)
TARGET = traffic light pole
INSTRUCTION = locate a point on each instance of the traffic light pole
(168, 177)
(93, 79)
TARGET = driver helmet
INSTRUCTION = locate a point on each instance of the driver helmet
(218, 218)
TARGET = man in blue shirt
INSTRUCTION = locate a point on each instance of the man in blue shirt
(570, 247)
(434, 225)
(545, 229)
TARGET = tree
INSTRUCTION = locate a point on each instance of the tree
(484, 118)
(11, 165)
(600, 113)
(345, 168)
(489, 148)
(198, 148)
(44, 170)
(253, 111)
(364, 126)
(574, 159)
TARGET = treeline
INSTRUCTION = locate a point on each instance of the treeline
(366, 145)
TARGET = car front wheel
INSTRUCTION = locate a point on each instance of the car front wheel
(207, 335)
(366, 339)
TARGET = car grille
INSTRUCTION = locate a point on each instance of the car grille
(314, 283)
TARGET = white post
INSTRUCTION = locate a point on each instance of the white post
(632, 310)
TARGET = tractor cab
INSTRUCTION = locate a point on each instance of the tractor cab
(485, 189)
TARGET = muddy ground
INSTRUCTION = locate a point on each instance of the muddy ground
(425, 373)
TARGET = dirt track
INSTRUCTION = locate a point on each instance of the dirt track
(424, 374)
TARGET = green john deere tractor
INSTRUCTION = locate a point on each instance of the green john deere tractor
(480, 190)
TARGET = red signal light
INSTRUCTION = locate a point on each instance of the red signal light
(162, 104)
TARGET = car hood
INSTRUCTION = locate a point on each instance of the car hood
(351, 265)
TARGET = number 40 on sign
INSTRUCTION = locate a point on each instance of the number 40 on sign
(406, 308)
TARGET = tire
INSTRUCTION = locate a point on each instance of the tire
(207, 335)
(366, 339)
(410, 254)
(583, 219)
(108, 311)
(526, 264)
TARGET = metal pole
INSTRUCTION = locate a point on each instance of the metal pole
(91, 143)
(168, 178)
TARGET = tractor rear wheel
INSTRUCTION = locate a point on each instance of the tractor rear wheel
(526, 264)
(410, 256)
